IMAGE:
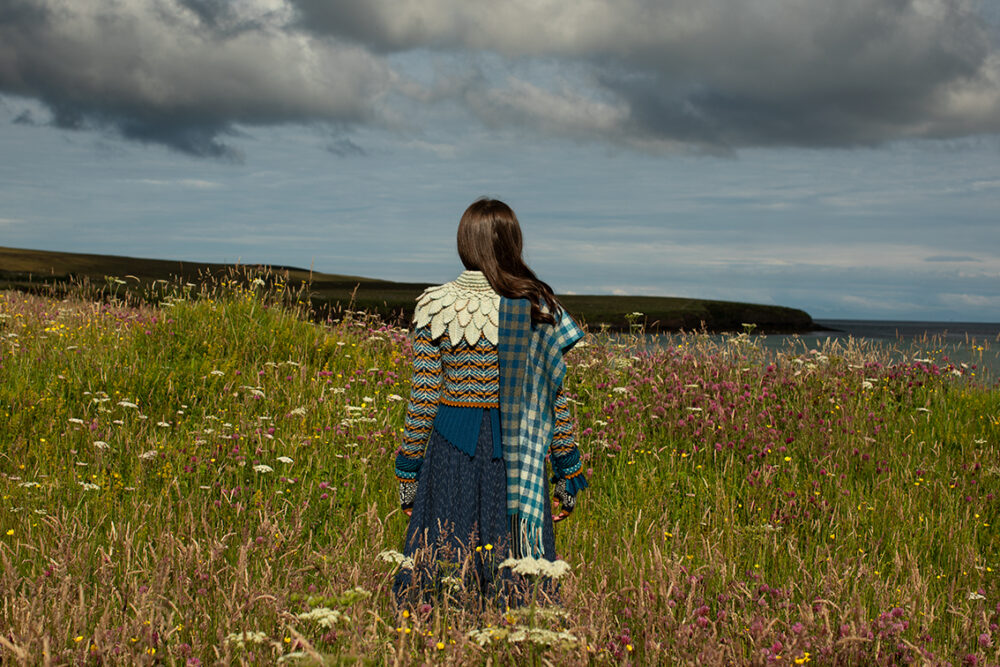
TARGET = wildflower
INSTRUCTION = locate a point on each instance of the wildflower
(394, 397)
(298, 412)
(163, 424)
(284, 459)
(537, 566)
(151, 454)
(241, 639)
(128, 404)
(74, 420)
(100, 444)
(294, 655)
(216, 372)
(87, 486)
(262, 468)
(975, 595)
(10, 531)
(396, 557)
(440, 646)
(324, 616)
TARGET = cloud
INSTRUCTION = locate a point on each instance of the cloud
(715, 74)
(951, 258)
(652, 75)
(344, 147)
(194, 183)
(182, 73)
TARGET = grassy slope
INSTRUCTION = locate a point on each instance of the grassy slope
(26, 269)
(743, 505)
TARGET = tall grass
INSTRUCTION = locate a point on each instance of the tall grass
(183, 482)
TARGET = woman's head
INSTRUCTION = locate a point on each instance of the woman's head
(489, 240)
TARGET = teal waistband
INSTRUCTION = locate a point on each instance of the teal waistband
(460, 427)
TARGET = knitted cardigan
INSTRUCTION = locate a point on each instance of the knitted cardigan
(453, 382)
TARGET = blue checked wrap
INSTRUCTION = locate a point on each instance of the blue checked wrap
(531, 371)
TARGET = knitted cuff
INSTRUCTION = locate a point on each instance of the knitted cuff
(567, 500)
(407, 494)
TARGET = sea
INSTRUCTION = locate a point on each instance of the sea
(976, 345)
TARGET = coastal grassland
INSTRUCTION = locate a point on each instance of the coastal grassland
(208, 478)
(139, 281)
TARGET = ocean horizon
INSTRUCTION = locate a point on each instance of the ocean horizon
(907, 329)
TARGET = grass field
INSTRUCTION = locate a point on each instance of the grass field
(207, 478)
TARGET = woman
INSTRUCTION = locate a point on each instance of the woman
(486, 407)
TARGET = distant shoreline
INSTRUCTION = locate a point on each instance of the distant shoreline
(38, 270)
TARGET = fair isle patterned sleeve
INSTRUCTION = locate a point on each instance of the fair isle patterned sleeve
(420, 412)
(565, 455)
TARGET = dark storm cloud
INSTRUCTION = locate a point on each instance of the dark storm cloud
(181, 73)
(713, 73)
(649, 74)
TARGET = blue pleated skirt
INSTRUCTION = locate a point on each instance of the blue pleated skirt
(459, 531)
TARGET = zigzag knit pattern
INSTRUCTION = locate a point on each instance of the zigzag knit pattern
(465, 375)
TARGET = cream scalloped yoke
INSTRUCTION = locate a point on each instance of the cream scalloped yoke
(467, 307)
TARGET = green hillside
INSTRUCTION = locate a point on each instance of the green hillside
(38, 270)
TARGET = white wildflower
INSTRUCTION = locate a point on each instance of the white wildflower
(74, 420)
(216, 372)
(262, 468)
(324, 616)
(299, 412)
(541, 636)
(285, 459)
(975, 595)
(163, 424)
(394, 397)
(923, 361)
(294, 655)
(243, 638)
(537, 566)
(694, 409)
(923, 410)
(866, 384)
(392, 556)
(368, 399)
(128, 404)
(620, 390)
(151, 454)
(87, 486)
(28, 485)
(258, 282)
(452, 583)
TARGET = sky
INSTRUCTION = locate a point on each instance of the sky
(842, 158)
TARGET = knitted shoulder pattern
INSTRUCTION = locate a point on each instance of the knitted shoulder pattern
(464, 308)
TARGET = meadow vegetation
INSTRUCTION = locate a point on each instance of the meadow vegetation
(207, 477)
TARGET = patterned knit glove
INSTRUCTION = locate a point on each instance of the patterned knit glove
(407, 494)
(567, 501)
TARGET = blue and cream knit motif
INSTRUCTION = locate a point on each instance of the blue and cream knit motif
(459, 375)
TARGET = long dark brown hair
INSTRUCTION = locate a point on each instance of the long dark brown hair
(489, 240)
